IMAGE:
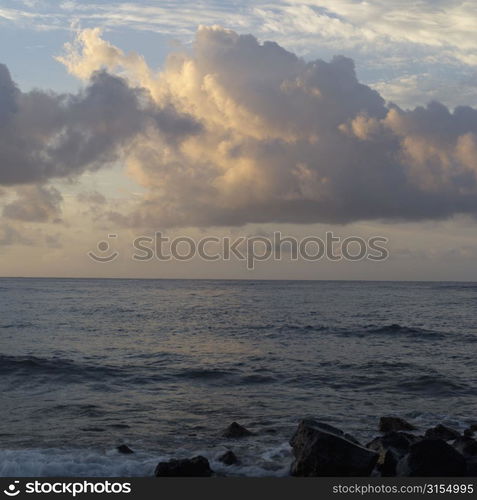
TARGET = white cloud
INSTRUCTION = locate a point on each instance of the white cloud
(446, 26)
(428, 39)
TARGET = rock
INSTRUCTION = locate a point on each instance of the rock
(470, 431)
(390, 460)
(124, 448)
(442, 432)
(323, 450)
(229, 458)
(471, 470)
(466, 445)
(391, 448)
(432, 458)
(334, 430)
(389, 424)
(235, 431)
(402, 440)
(188, 467)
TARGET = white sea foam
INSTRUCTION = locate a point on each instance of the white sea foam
(62, 462)
(49, 462)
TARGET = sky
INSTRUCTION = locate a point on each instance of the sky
(227, 119)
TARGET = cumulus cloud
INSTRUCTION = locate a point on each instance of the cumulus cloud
(44, 135)
(279, 139)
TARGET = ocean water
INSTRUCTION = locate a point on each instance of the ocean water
(165, 365)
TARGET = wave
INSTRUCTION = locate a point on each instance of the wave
(397, 330)
(78, 410)
(302, 328)
(45, 462)
(36, 371)
(418, 334)
(19, 325)
(257, 379)
(435, 384)
(66, 369)
(457, 286)
(58, 462)
(204, 374)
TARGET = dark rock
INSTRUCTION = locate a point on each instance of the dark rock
(323, 450)
(402, 440)
(471, 470)
(471, 430)
(235, 431)
(229, 458)
(334, 430)
(389, 424)
(432, 458)
(188, 467)
(466, 445)
(442, 432)
(389, 463)
(391, 448)
(124, 448)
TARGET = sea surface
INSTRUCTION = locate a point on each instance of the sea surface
(165, 365)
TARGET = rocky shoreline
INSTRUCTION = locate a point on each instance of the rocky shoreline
(320, 449)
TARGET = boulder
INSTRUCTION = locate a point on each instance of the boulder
(323, 450)
(229, 458)
(334, 430)
(235, 431)
(432, 458)
(466, 445)
(471, 470)
(391, 448)
(442, 432)
(124, 448)
(389, 424)
(188, 467)
(470, 431)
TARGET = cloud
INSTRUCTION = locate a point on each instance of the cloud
(53, 241)
(391, 42)
(450, 87)
(35, 204)
(445, 27)
(9, 236)
(44, 135)
(91, 198)
(284, 140)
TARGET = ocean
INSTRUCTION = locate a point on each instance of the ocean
(165, 365)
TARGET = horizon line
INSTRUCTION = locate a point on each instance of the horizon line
(233, 279)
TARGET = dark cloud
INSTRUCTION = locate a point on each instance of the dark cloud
(44, 135)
